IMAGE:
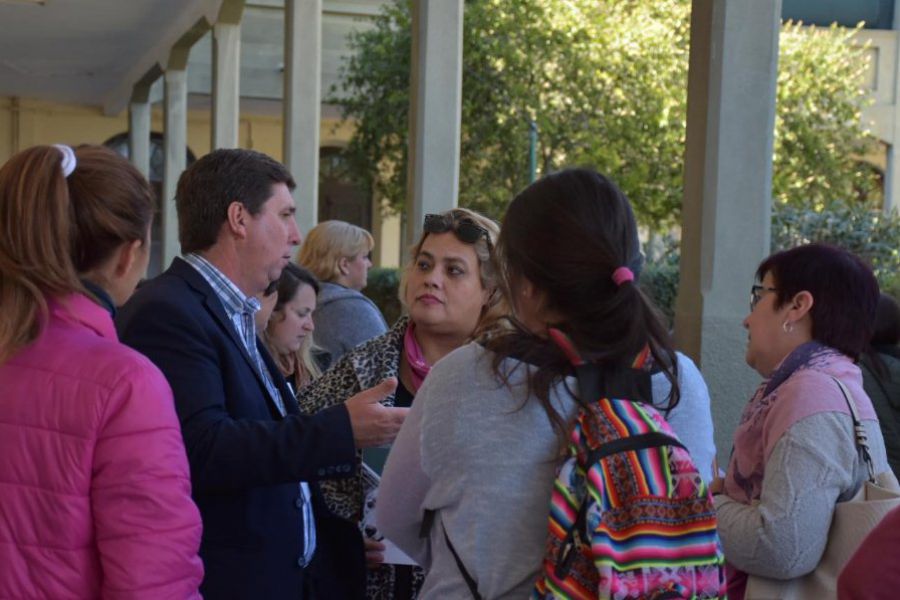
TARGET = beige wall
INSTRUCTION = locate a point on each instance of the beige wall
(25, 122)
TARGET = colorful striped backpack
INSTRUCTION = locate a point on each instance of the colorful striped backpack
(630, 516)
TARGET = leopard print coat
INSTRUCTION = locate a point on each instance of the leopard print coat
(366, 365)
(361, 368)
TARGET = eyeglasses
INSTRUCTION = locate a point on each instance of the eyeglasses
(465, 229)
(756, 294)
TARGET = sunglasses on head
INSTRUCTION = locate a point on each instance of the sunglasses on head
(465, 229)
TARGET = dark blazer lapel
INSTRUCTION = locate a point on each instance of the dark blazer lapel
(213, 304)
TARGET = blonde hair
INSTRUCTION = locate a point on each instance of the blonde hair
(487, 267)
(301, 363)
(53, 228)
(330, 241)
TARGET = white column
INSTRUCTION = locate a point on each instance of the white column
(302, 104)
(435, 110)
(139, 113)
(175, 157)
(139, 135)
(892, 173)
(226, 39)
(727, 193)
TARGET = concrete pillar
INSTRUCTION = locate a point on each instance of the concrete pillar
(302, 104)
(139, 113)
(727, 193)
(139, 135)
(175, 111)
(226, 69)
(892, 173)
(226, 75)
(435, 110)
(175, 145)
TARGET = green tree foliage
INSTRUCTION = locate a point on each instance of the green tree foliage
(819, 141)
(867, 233)
(606, 83)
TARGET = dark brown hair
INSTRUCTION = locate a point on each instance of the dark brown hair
(53, 228)
(566, 233)
(843, 287)
(292, 277)
(209, 186)
(887, 322)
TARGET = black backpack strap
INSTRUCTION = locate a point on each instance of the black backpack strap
(473, 587)
(602, 381)
(427, 523)
(653, 439)
(425, 532)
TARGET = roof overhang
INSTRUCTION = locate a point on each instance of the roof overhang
(93, 52)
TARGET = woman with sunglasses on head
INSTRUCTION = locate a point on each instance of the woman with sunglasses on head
(339, 254)
(95, 493)
(449, 291)
(467, 486)
(795, 455)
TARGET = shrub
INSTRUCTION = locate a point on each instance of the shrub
(868, 233)
(659, 281)
(382, 290)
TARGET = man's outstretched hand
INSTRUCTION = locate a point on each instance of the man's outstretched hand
(374, 424)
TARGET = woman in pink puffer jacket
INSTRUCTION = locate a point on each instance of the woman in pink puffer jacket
(94, 484)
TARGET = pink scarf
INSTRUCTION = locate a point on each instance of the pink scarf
(794, 391)
(414, 358)
(797, 389)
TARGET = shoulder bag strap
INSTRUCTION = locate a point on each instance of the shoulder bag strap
(862, 440)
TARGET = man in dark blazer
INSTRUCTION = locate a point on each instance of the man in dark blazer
(251, 453)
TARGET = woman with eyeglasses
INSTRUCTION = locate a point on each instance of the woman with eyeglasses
(449, 292)
(339, 254)
(795, 456)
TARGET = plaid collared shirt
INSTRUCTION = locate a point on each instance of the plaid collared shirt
(241, 310)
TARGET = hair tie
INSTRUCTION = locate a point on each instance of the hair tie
(621, 275)
(68, 159)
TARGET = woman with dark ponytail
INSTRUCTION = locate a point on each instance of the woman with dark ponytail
(94, 483)
(474, 464)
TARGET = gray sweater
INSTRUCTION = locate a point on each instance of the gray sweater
(484, 457)
(691, 419)
(344, 319)
(813, 466)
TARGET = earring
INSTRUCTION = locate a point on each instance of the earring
(787, 327)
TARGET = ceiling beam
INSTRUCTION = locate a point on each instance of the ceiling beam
(197, 14)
